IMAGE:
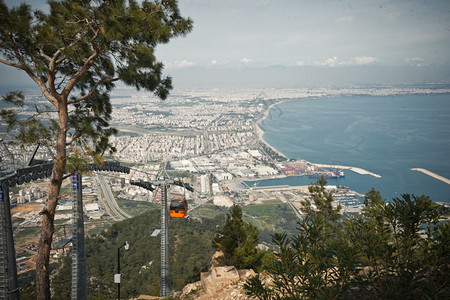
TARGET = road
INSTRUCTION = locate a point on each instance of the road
(110, 203)
(284, 199)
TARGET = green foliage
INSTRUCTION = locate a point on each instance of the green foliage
(16, 98)
(75, 53)
(27, 280)
(238, 240)
(190, 253)
(392, 250)
(270, 217)
(134, 208)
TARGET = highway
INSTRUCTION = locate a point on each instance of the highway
(206, 138)
(110, 203)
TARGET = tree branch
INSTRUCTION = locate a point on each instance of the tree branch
(8, 63)
(93, 89)
(42, 53)
(60, 60)
(89, 62)
(23, 66)
(52, 71)
(75, 136)
(38, 113)
(58, 86)
(44, 111)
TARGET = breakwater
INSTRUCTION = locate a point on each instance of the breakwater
(432, 174)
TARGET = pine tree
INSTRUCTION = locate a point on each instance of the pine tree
(238, 240)
(393, 250)
(75, 53)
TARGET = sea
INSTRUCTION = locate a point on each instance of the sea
(386, 135)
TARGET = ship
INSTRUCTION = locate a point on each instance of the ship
(327, 174)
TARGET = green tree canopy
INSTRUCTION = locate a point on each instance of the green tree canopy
(75, 53)
(392, 250)
(238, 240)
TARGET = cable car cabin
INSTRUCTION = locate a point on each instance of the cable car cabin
(277, 254)
(178, 208)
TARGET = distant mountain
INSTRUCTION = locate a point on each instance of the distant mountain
(308, 76)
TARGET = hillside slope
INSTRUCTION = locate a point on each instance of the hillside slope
(190, 252)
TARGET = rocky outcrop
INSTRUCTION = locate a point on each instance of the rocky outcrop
(221, 283)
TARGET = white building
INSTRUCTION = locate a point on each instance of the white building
(204, 183)
(255, 153)
(222, 175)
(91, 207)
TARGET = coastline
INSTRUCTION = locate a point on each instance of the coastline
(259, 132)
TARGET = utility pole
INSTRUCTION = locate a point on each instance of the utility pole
(79, 288)
(118, 276)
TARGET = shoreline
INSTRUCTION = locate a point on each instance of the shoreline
(432, 174)
(259, 133)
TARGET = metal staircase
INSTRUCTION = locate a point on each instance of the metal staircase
(74, 246)
(165, 281)
(79, 285)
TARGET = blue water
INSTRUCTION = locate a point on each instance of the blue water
(386, 135)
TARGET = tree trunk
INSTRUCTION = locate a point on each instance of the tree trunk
(48, 213)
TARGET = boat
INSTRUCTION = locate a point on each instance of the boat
(327, 174)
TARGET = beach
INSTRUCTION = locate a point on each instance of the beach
(260, 133)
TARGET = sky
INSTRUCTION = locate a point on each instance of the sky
(258, 33)
(293, 42)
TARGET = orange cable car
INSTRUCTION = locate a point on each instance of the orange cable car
(277, 254)
(178, 208)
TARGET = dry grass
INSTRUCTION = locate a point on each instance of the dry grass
(27, 208)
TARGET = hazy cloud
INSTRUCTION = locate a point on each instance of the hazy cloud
(330, 62)
(417, 61)
(364, 60)
(246, 60)
(335, 62)
(178, 64)
(345, 19)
